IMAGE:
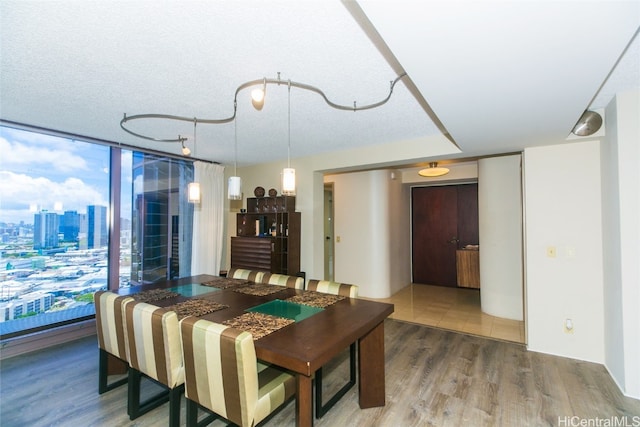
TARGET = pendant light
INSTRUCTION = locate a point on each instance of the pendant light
(234, 188)
(288, 173)
(193, 189)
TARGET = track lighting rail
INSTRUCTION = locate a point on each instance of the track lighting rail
(264, 82)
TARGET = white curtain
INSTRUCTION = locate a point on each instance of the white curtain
(208, 219)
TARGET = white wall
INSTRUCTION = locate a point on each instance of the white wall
(563, 212)
(354, 228)
(399, 235)
(621, 241)
(371, 232)
(500, 226)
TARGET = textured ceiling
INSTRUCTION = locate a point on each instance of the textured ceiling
(498, 75)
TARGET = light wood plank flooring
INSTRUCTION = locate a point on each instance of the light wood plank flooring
(456, 309)
(434, 377)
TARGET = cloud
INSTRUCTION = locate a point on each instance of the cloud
(20, 191)
(50, 153)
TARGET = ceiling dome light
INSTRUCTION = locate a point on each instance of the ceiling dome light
(433, 170)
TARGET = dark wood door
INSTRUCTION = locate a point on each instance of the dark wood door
(468, 227)
(435, 226)
(444, 219)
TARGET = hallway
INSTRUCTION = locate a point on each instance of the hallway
(456, 309)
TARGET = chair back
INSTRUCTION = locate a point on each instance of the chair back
(153, 343)
(283, 280)
(110, 322)
(221, 371)
(335, 288)
(250, 275)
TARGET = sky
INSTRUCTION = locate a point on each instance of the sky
(43, 172)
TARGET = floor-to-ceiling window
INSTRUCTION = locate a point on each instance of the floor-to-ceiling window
(55, 204)
(161, 218)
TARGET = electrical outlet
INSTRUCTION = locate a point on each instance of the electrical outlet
(551, 251)
(568, 326)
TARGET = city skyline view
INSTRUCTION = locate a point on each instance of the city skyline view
(55, 232)
(54, 199)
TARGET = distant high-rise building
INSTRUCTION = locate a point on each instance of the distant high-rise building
(45, 230)
(70, 225)
(97, 226)
(84, 231)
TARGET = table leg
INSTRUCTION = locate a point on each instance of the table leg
(371, 368)
(304, 403)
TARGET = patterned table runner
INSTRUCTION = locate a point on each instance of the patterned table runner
(316, 299)
(260, 289)
(258, 324)
(154, 295)
(225, 282)
(195, 307)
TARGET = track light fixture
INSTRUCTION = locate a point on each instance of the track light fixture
(257, 102)
(185, 150)
(257, 99)
(257, 95)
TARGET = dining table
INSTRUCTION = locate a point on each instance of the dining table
(309, 337)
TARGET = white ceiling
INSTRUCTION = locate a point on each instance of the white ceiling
(498, 75)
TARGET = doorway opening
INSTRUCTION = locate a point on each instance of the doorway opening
(445, 289)
(329, 250)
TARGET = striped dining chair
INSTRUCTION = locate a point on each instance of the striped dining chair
(254, 276)
(350, 291)
(154, 349)
(295, 282)
(223, 376)
(111, 339)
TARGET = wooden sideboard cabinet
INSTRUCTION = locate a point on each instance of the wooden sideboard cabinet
(468, 267)
(268, 236)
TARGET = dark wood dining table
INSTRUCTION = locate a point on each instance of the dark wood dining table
(305, 346)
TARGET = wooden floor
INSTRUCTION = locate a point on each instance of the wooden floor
(434, 377)
(456, 309)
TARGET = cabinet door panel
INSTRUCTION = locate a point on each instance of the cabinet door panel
(252, 253)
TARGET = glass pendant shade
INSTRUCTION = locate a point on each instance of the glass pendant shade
(235, 188)
(289, 182)
(194, 192)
